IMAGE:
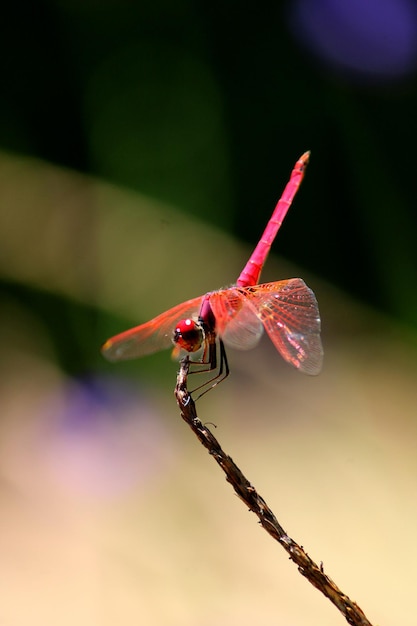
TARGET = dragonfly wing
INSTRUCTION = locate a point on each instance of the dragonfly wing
(152, 336)
(289, 313)
(236, 322)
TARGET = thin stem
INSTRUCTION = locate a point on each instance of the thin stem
(248, 494)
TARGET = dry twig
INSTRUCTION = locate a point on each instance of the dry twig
(246, 492)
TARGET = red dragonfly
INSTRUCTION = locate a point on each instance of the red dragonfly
(286, 309)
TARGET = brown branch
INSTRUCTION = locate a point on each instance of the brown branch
(246, 492)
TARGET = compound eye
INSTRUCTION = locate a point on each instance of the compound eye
(188, 335)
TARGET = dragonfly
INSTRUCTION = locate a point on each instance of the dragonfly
(237, 316)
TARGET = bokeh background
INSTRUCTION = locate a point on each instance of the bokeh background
(143, 147)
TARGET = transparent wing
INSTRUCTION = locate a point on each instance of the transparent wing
(289, 313)
(237, 323)
(152, 336)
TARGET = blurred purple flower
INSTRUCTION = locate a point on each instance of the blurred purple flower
(375, 39)
(102, 439)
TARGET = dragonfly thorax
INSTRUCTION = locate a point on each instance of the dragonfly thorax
(189, 335)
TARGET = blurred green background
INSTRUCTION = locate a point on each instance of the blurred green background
(206, 107)
(143, 148)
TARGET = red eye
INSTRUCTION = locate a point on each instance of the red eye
(188, 335)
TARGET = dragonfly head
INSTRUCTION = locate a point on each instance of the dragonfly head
(188, 336)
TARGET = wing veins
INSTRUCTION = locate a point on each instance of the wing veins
(289, 313)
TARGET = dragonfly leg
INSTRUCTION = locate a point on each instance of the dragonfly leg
(223, 370)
